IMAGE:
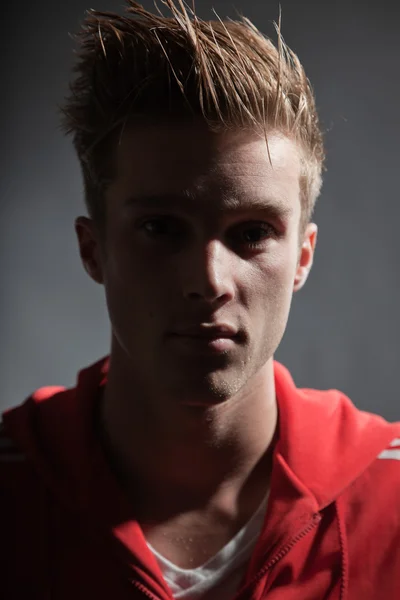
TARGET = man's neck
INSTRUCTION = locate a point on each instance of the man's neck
(201, 458)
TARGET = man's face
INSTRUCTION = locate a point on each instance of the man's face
(201, 232)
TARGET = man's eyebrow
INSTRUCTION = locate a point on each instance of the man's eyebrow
(276, 208)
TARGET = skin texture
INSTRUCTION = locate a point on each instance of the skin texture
(214, 239)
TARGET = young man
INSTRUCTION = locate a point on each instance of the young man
(187, 464)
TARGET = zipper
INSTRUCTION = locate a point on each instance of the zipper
(144, 590)
(282, 552)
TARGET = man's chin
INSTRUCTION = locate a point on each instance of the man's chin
(209, 390)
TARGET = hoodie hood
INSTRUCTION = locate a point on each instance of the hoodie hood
(325, 440)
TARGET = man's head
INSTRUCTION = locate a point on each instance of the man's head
(202, 157)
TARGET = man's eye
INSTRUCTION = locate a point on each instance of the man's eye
(255, 235)
(251, 235)
(160, 226)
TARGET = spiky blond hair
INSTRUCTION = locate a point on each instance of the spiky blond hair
(145, 65)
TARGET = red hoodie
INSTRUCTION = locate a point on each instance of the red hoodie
(331, 531)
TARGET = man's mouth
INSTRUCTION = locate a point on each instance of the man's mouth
(207, 330)
(206, 337)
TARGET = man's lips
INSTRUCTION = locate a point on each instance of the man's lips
(206, 331)
(205, 338)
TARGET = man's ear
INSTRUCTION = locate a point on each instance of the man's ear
(306, 256)
(89, 248)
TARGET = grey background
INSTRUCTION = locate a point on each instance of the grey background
(344, 327)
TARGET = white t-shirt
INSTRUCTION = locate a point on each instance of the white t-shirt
(220, 576)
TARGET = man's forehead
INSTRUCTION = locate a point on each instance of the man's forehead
(235, 169)
(240, 151)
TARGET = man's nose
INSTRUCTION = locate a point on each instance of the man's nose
(209, 273)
